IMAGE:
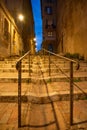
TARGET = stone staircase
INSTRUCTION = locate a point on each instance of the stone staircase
(43, 92)
(60, 69)
(57, 82)
(8, 72)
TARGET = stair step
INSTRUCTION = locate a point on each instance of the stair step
(27, 79)
(42, 99)
(8, 72)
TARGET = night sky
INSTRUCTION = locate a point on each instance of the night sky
(38, 22)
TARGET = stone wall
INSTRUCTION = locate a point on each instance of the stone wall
(26, 26)
(10, 38)
(72, 26)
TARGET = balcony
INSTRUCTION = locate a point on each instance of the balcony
(53, 26)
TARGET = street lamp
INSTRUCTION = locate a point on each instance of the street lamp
(21, 17)
(34, 39)
(20, 20)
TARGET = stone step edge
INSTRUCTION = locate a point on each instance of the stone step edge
(47, 79)
(42, 99)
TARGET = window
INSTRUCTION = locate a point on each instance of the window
(14, 34)
(50, 23)
(6, 27)
(54, 23)
(50, 34)
(50, 47)
(48, 10)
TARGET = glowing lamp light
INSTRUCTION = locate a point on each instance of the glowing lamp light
(21, 17)
(34, 39)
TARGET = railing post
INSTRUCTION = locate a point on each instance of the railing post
(18, 67)
(19, 94)
(71, 93)
(29, 64)
(49, 65)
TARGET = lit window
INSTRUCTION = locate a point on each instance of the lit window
(50, 34)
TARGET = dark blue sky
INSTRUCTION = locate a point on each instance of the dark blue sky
(37, 21)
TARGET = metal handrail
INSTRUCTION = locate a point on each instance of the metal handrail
(21, 58)
(71, 79)
(68, 59)
(18, 67)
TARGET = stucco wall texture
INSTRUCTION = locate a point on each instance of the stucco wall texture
(72, 26)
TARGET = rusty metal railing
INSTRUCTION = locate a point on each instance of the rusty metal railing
(19, 68)
(70, 79)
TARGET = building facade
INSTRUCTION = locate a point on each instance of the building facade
(48, 8)
(26, 26)
(10, 39)
(71, 27)
(64, 26)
